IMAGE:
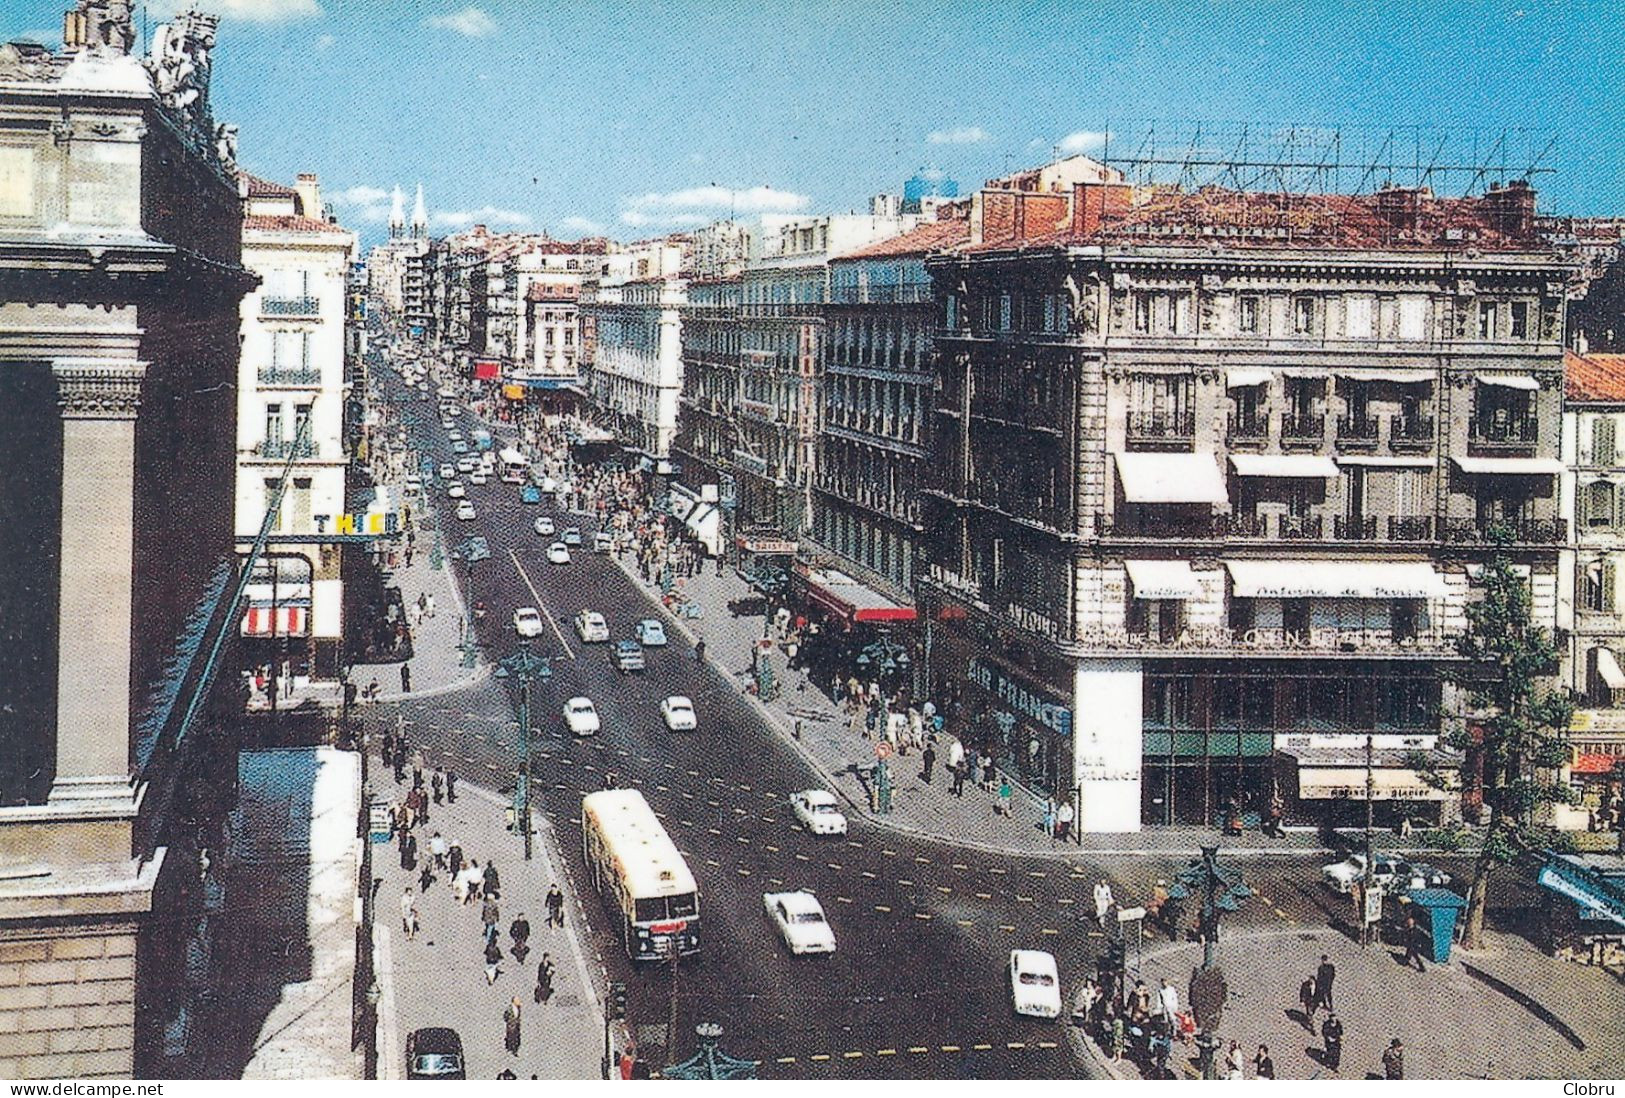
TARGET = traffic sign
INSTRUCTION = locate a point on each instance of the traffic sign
(883, 749)
(1373, 904)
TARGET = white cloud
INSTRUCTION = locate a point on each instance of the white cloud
(957, 135)
(642, 218)
(325, 42)
(362, 203)
(492, 216)
(471, 21)
(249, 11)
(586, 226)
(713, 197)
(1081, 141)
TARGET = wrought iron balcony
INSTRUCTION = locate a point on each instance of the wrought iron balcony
(282, 448)
(1303, 430)
(1357, 432)
(1300, 527)
(1517, 433)
(291, 306)
(1354, 527)
(290, 375)
(1164, 427)
(1410, 528)
(1410, 433)
(1481, 531)
(1251, 430)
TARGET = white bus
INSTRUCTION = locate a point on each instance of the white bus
(514, 466)
(637, 869)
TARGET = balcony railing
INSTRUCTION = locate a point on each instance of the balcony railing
(1303, 430)
(290, 306)
(1161, 426)
(1300, 527)
(1517, 433)
(1410, 432)
(1248, 430)
(1410, 528)
(290, 375)
(1357, 432)
(1354, 527)
(1480, 531)
(282, 448)
(1221, 638)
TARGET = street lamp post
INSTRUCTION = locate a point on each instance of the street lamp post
(528, 666)
(1370, 789)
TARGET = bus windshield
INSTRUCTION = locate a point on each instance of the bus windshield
(656, 908)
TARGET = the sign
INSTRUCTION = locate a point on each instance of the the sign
(369, 522)
(1130, 914)
(883, 749)
(378, 821)
(768, 546)
(674, 926)
(513, 392)
(1373, 904)
(1020, 697)
(487, 369)
(1601, 899)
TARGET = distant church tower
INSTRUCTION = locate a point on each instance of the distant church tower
(420, 217)
(397, 216)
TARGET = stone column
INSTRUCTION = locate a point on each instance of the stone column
(98, 400)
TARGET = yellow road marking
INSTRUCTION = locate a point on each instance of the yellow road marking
(961, 865)
(999, 872)
(950, 1048)
(852, 1055)
(921, 861)
(1281, 913)
(866, 873)
(768, 819)
(1015, 1044)
(686, 823)
(981, 1047)
(1049, 930)
(1064, 900)
(917, 1049)
(693, 773)
(888, 853)
(924, 916)
(984, 895)
(883, 907)
(1023, 899)
(771, 847)
(905, 884)
(853, 842)
(834, 865)
(1096, 934)
(966, 922)
(741, 839)
(1007, 928)
(785, 1060)
(1036, 873)
(945, 890)
(843, 899)
(712, 831)
(820, 1056)
(802, 858)
(1048, 1044)
(885, 1052)
(709, 862)
(744, 872)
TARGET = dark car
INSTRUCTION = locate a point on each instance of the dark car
(628, 656)
(434, 1052)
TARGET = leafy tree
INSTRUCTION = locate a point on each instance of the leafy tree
(1515, 726)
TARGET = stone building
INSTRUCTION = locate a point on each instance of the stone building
(293, 374)
(120, 285)
(1216, 470)
(707, 417)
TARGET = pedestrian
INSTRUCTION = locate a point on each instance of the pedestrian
(1235, 1062)
(1331, 1034)
(398, 762)
(1049, 818)
(986, 761)
(958, 771)
(699, 650)
(1119, 1035)
(1307, 999)
(1003, 805)
(555, 907)
(493, 958)
(1325, 976)
(1063, 821)
(409, 851)
(1168, 1001)
(1393, 1060)
(510, 1024)
(418, 764)
(409, 914)
(520, 933)
(491, 882)
(454, 856)
(451, 787)
(929, 760)
(490, 913)
(1263, 1066)
(1414, 938)
(437, 784)
(437, 850)
(406, 678)
(544, 978)
(1158, 901)
(471, 880)
(1103, 901)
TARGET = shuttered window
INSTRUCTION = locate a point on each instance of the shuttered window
(1602, 441)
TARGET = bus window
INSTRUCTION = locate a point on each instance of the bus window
(683, 906)
(650, 910)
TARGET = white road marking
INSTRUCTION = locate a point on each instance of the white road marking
(569, 653)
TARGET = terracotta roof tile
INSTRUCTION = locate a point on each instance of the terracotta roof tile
(287, 223)
(1599, 377)
(264, 188)
(923, 239)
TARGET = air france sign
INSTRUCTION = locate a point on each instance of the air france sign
(1019, 697)
(369, 522)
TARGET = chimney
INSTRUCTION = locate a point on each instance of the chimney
(1094, 204)
(1400, 207)
(310, 195)
(1511, 209)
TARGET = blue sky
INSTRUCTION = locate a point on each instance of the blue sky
(636, 117)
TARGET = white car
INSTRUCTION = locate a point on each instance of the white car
(455, 490)
(465, 510)
(447, 425)
(447, 471)
(465, 465)
(559, 553)
(1386, 873)
(580, 717)
(591, 627)
(678, 713)
(543, 527)
(1035, 983)
(478, 476)
(549, 486)
(455, 435)
(818, 811)
(527, 621)
(800, 919)
(650, 633)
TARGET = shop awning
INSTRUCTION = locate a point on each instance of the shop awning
(1509, 467)
(1608, 668)
(1510, 381)
(1378, 462)
(1241, 377)
(1334, 579)
(1598, 889)
(285, 621)
(1283, 465)
(1586, 762)
(1400, 376)
(1163, 579)
(1348, 784)
(845, 597)
(1170, 478)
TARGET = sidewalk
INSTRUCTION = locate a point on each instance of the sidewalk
(438, 978)
(1504, 1012)
(929, 810)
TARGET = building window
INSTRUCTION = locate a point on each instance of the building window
(1598, 505)
(1247, 315)
(1603, 450)
(1486, 319)
(1357, 317)
(1004, 312)
(273, 423)
(1520, 320)
(1142, 312)
(1597, 590)
(1178, 309)
(1303, 315)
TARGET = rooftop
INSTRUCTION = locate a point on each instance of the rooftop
(289, 223)
(929, 237)
(1594, 377)
(264, 188)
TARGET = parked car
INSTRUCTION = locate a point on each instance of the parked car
(628, 656)
(558, 553)
(447, 471)
(819, 812)
(465, 465)
(543, 526)
(800, 920)
(1035, 983)
(1390, 874)
(572, 536)
(678, 713)
(530, 494)
(465, 510)
(459, 447)
(527, 621)
(455, 490)
(650, 633)
(580, 717)
(478, 476)
(434, 1052)
(591, 627)
(602, 542)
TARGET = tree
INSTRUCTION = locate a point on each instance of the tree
(1514, 732)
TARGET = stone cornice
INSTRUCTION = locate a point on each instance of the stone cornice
(98, 388)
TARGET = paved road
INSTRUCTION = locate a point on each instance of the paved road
(918, 987)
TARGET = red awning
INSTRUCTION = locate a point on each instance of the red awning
(1585, 763)
(487, 369)
(845, 597)
(290, 621)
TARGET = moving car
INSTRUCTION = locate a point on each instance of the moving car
(678, 713)
(465, 510)
(455, 435)
(1035, 983)
(527, 621)
(455, 490)
(580, 717)
(558, 554)
(530, 494)
(572, 536)
(628, 656)
(434, 1052)
(591, 627)
(800, 921)
(818, 811)
(650, 633)
(478, 476)
(465, 465)
(1386, 873)
(602, 542)
(459, 447)
(447, 471)
(543, 526)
